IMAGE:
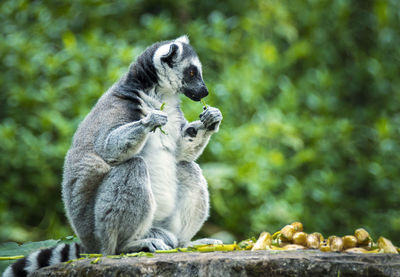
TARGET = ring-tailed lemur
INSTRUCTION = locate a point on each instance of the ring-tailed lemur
(127, 186)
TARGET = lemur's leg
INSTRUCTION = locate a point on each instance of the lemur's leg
(123, 142)
(193, 202)
(125, 206)
(81, 188)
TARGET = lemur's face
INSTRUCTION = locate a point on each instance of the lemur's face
(179, 69)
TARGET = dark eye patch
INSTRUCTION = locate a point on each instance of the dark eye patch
(191, 72)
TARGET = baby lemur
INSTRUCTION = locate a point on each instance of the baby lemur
(127, 185)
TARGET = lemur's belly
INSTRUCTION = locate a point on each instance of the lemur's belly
(161, 164)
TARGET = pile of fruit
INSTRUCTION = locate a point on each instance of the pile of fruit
(292, 237)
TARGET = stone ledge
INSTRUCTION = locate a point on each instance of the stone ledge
(237, 263)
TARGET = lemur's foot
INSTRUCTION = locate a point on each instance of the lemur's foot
(147, 245)
(211, 118)
(166, 236)
(203, 241)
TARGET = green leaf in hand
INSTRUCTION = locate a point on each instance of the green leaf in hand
(162, 131)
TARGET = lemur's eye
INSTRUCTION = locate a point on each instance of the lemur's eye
(192, 71)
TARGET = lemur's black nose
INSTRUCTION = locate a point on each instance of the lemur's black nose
(203, 92)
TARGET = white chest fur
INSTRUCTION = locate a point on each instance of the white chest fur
(159, 154)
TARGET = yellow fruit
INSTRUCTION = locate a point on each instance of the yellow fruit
(349, 241)
(356, 250)
(319, 235)
(287, 233)
(336, 244)
(313, 241)
(330, 238)
(298, 226)
(387, 245)
(293, 247)
(263, 241)
(300, 238)
(362, 236)
(324, 247)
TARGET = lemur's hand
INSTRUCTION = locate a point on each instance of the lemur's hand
(155, 119)
(211, 118)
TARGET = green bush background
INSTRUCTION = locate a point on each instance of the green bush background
(309, 90)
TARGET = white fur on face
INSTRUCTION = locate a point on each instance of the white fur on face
(170, 79)
(195, 61)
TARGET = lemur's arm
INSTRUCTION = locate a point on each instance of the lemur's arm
(195, 135)
(126, 140)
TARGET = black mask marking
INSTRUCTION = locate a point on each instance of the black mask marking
(193, 85)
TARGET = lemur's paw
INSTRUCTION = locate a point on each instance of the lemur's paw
(211, 118)
(157, 244)
(148, 245)
(155, 119)
(203, 241)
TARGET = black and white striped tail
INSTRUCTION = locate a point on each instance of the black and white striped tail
(42, 258)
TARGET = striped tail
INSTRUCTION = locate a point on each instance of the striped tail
(42, 258)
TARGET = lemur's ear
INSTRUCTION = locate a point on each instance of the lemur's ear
(183, 39)
(170, 56)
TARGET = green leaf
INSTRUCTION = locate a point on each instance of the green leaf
(162, 106)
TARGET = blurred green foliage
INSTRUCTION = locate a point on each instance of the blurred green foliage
(309, 90)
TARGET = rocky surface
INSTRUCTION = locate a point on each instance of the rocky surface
(237, 263)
